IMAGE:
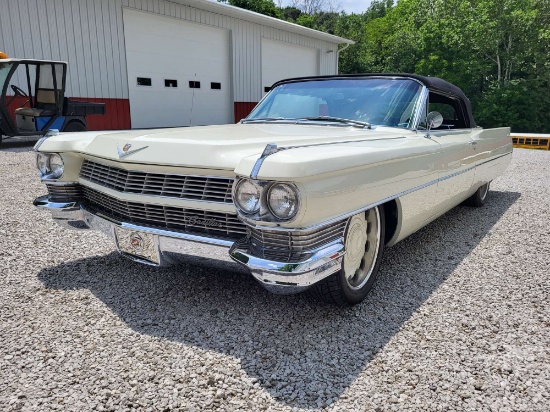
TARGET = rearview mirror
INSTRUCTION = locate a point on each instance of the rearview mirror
(434, 120)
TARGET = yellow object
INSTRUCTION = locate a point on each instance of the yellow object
(3, 55)
(531, 142)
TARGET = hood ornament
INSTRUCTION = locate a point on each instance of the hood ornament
(125, 151)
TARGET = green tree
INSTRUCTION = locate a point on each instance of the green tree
(266, 7)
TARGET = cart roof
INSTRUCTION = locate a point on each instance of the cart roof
(32, 61)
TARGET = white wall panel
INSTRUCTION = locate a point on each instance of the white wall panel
(276, 56)
(163, 48)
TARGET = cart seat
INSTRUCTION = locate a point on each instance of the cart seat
(34, 112)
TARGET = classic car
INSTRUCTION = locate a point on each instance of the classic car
(306, 192)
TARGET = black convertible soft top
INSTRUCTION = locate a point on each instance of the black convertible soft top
(432, 83)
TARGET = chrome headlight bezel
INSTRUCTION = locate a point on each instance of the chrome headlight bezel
(237, 196)
(43, 163)
(50, 165)
(293, 192)
(264, 212)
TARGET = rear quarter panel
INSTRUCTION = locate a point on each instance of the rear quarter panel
(493, 154)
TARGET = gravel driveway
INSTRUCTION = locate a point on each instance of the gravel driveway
(459, 318)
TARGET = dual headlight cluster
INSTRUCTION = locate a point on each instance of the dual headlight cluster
(50, 165)
(281, 199)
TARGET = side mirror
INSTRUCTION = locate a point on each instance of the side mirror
(434, 120)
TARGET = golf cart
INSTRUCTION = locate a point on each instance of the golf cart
(32, 99)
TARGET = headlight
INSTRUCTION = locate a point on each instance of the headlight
(247, 196)
(56, 166)
(283, 201)
(49, 165)
(43, 163)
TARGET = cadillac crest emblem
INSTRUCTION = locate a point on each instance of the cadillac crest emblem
(136, 241)
(125, 151)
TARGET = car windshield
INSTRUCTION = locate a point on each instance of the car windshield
(371, 101)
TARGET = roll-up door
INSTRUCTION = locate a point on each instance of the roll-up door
(284, 60)
(178, 72)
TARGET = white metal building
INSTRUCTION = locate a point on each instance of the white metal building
(165, 63)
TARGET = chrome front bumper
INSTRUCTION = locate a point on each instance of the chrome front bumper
(172, 247)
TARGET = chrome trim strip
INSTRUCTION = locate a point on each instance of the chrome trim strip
(422, 100)
(370, 206)
(57, 183)
(270, 149)
(51, 132)
(43, 202)
(92, 159)
(177, 235)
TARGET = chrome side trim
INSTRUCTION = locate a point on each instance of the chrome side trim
(370, 206)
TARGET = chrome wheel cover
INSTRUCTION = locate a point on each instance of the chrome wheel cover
(362, 244)
(484, 191)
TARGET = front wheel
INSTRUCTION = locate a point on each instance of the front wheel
(364, 243)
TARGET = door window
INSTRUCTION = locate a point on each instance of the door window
(450, 109)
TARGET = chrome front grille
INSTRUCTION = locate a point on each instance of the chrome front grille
(211, 189)
(68, 192)
(214, 224)
(295, 246)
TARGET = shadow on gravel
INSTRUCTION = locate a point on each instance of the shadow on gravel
(17, 144)
(305, 354)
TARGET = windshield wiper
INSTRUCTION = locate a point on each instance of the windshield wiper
(263, 119)
(355, 123)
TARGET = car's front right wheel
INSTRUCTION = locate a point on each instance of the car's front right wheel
(364, 244)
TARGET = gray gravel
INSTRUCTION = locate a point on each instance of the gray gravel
(458, 320)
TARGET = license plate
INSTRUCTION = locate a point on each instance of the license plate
(136, 243)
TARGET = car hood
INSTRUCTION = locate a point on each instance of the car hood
(210, 147)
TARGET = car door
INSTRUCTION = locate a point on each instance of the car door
(457, 156)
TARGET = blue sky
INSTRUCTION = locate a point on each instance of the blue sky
(349, 6)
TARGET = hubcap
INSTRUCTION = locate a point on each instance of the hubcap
(484, 191)
(362, 243)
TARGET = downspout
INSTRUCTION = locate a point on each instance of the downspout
(338, 55)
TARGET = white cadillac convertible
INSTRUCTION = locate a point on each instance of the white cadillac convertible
(306, 192)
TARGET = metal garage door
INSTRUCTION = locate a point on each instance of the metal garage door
(178, 72)
(284, 60)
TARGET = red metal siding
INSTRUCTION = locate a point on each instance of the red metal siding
(243, 109)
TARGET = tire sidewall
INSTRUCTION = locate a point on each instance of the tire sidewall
(354, 296)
